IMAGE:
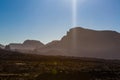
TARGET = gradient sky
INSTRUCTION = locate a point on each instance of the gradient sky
(48, 20)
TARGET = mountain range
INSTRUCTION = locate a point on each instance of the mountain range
(77, 42)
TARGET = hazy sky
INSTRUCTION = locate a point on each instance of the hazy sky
(48, 20)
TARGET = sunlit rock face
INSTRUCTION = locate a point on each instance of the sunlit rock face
(27, 46)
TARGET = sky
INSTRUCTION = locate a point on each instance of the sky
(47, 20)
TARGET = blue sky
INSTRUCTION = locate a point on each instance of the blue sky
(48, 20)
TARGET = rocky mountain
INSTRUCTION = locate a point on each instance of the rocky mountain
(25, 47)
(85, 42)
(77, 42)
(82, 42)
(52, 48)
(2, 46)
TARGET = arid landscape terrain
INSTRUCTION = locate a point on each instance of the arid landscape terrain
(18, 66)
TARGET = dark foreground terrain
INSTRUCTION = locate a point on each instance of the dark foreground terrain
(17, 66)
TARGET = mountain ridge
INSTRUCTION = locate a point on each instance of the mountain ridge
(81, 42)
(26, 47)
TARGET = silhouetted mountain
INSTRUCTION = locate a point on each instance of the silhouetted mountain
(27, 46)
(82, 42)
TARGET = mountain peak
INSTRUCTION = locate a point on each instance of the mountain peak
(76, 28)
(27, 46)
(79, 29)
(34, 42)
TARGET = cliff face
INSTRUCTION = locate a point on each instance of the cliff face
(90, 43)
(82, 42)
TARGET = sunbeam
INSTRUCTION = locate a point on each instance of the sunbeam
(74, 12)
(74, 22)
